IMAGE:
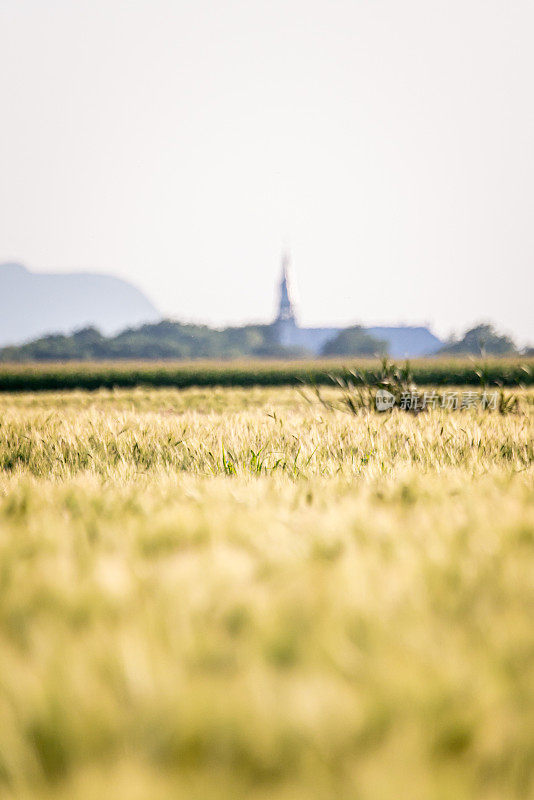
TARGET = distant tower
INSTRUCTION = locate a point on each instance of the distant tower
(286, 312)
(286, 321)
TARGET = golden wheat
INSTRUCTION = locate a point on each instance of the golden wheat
(238, 594)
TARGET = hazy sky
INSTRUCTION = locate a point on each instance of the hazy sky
(389, 143)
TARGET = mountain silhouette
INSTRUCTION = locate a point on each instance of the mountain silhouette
(33, 304)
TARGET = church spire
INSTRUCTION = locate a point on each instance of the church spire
(285, 306)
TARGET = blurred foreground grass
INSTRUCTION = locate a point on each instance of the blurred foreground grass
(236, 594)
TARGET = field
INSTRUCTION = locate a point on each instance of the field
(214, 593)
(44, 376)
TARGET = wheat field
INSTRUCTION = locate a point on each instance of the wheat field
(238, 593)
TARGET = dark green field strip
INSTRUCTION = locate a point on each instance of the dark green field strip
(98, 375)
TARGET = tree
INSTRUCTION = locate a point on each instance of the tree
(161, 340)
(354, 341)
(483, 339)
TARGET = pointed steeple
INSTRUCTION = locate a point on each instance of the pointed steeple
(285, 306)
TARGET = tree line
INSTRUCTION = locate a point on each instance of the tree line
(175, 340)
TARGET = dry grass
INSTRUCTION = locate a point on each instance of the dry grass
(235, 594)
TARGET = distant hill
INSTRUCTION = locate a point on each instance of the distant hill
(44, 309)
(33, 304)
